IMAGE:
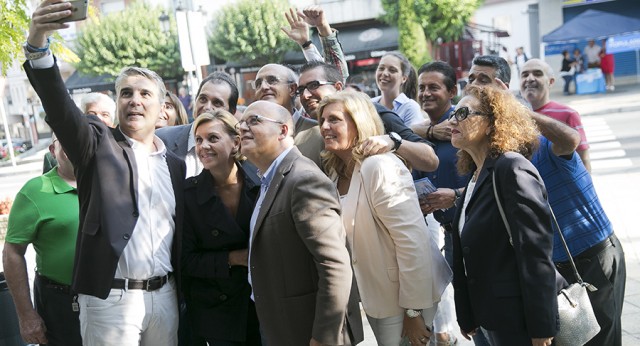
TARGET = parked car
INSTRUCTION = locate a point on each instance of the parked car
(19, 146)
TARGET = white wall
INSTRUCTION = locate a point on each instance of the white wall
(511, 16)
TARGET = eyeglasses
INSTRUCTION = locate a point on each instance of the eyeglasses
(254, 120)
(311, 86)
(271, 80)
(463, 112)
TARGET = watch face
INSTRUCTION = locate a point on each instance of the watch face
(413, 313)
(395, 136)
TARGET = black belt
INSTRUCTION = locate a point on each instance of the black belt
(66, 289)
(592, 251)
(147, 285)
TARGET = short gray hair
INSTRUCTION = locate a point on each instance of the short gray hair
(92, 98)
(144, 72)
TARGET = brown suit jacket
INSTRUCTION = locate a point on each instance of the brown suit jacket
(300, 268)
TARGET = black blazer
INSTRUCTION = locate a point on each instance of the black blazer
(506, 287)
(217, 296)
(107, 176)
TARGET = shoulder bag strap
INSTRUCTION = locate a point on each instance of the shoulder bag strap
(555, 222)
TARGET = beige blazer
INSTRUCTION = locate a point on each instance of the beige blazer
(395, 261)
(300, 268)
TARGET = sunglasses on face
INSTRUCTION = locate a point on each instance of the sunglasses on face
(311, 86)
(463, 112)
(254, 120)
(271, 80)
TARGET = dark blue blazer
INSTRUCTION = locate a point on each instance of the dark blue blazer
(499, 286)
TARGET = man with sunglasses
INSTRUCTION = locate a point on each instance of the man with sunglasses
(589, 234)
(319, 79)
(299, 266)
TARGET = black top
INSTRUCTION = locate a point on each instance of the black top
(566, 64)
(217, 295)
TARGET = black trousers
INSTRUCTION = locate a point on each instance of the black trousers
(605, 269)
(53, 303)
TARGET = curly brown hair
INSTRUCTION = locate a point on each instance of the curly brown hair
(512, 128)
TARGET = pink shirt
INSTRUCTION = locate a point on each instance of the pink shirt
(568, 116)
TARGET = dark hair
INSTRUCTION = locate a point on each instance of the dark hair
(444, 68)
(331, 73)
(410, 86)
(503, 71)
(219, 78)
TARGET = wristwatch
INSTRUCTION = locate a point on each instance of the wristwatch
(411, 313)
(397, 140)
(33, 53)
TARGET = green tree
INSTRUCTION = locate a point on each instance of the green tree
(249, 31)
(412, 41)
(439, 18)
(14, 23)
(129, 38)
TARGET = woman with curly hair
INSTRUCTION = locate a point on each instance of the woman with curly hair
(398, 268)
(506, 285)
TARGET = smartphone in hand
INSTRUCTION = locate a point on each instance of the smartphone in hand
(78, 11)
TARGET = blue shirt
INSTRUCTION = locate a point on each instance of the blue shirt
(574, 201)
(446, 175)
(407, 109)
(265, 180)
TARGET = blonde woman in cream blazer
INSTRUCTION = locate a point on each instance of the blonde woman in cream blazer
(398, 269)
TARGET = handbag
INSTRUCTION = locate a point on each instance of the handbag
(578, 322)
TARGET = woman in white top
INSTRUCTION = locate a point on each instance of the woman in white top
(398, 84)
(399, 272)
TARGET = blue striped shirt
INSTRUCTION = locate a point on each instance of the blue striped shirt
(574, 201)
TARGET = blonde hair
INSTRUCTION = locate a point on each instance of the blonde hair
(359, 108)
(512, 128)
(229, 122)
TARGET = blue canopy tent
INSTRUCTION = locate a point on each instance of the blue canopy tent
(622, 33)
(592, 24)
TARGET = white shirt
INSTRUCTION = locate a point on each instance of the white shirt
(194, 166)
(148, 252)
(592, 53)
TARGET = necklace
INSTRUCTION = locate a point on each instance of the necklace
(475, 175)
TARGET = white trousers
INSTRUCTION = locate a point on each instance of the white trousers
(388, 330)
(130, 318)
(445, 319)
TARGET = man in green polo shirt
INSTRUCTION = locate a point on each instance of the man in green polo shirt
(45, 214)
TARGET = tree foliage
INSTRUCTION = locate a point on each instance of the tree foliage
(13, 25)
(129, 38)
(438, 18)
(249, 31)
(412, 42)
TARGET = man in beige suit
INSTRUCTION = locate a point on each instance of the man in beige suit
(298, 260)
(278, 84)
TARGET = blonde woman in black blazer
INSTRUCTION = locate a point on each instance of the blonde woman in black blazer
(509, 290)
